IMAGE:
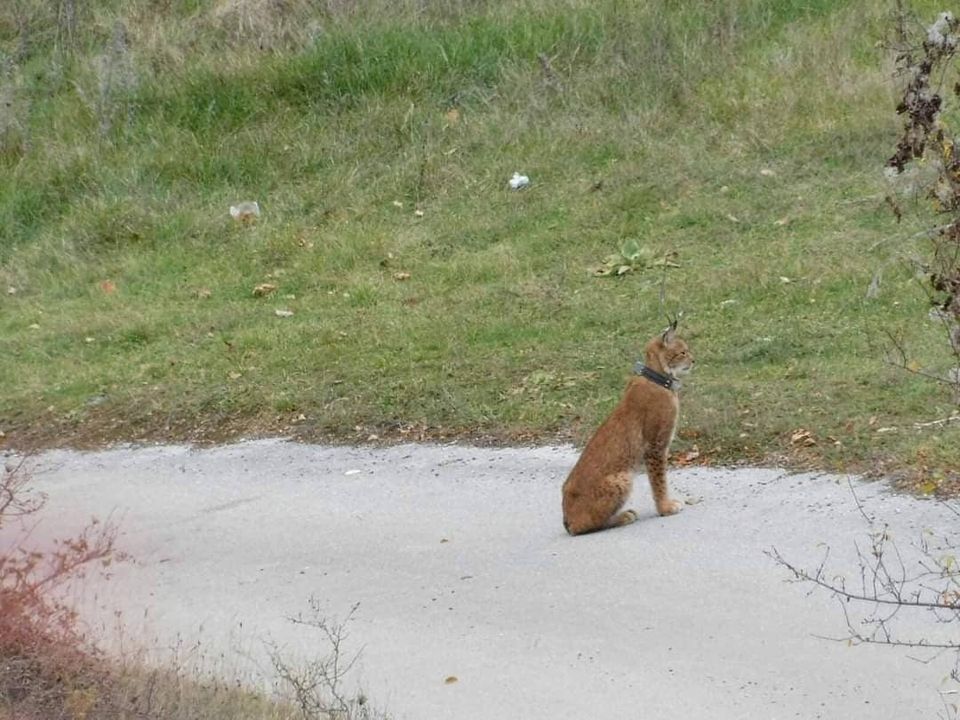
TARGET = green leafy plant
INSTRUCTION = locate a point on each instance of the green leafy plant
(634, 257)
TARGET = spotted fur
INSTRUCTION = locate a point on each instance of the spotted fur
(639, 430)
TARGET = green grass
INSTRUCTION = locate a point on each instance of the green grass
(746, 136)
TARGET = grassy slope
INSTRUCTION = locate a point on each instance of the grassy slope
(745, 138)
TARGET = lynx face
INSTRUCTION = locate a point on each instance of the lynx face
(674, 354)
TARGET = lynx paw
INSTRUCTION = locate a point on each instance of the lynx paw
(670, 507)
(624, 518)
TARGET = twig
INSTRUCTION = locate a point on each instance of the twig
(937, 423)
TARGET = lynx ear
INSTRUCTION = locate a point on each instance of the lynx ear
(670, 333)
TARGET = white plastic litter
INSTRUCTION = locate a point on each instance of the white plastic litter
(518, 181)
(245, 211)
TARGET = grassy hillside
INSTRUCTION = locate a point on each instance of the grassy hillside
(743, 140)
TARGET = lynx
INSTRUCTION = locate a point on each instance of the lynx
(640, 428)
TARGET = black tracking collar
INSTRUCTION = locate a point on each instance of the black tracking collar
(662, 380)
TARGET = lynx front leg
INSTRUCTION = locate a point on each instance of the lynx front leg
(656, 461)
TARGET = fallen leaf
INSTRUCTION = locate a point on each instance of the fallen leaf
(204, 293)
(689, 456)
(767, 172)
(401, 276)
(263, 289)
(733, 218)
(928, 487)
(914, 366)
(283, 313)
(785, 280)
(781, 222)
(235, 375)
(453, 116)
(450, 680)
(108, 286)
(802, 437)
(34, 326)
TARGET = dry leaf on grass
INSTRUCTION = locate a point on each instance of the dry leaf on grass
(283, 313)
(401, 276)
(802, 438)
(263, 289)
(689, 456)
(108, 286)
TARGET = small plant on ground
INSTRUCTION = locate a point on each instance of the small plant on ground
(634, 257)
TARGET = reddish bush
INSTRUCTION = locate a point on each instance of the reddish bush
(44, 657)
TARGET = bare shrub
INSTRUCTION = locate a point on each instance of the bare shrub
(14, 140)
(926, 61)
(116, 82)
(889, 581)
(44, 657)
(267, 24)
(315, 687)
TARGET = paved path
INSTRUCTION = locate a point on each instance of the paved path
(459, 563)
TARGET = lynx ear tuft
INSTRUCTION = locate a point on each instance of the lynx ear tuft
(670, 333)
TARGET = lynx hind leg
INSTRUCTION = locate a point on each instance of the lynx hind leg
(598, 508)
(657, 473)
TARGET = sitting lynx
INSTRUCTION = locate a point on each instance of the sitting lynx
(639, 428)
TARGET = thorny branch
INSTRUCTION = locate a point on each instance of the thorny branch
(317, 684)
(15, 499)
(889, 583)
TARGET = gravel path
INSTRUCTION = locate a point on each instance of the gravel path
(460, 565)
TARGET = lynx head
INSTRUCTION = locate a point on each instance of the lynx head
(669, 354)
